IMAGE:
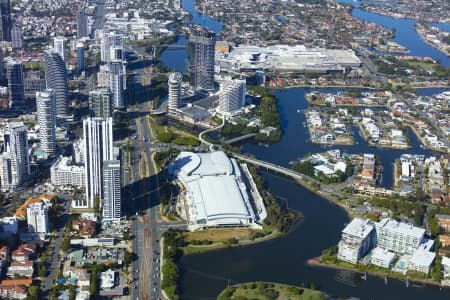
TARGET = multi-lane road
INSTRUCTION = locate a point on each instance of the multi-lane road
(145, 227)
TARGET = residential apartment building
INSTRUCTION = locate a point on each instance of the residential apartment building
(231, 95)
(46, 115)
(174, 98)
(56, 79)
(37, 218)
(98, 147)
(65, 172)
(358, 238)
(398, 237)
(112, 190)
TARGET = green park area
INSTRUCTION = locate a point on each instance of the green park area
(166, 133)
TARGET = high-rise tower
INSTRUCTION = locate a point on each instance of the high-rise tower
(98, 147)
(112, 47)
(56, 79)
(202, 44)
(100, 103)
(46, 115)
(112, 190)
(174, 84)
(5, 20)
(59, 45)
(16, 37)
(232, 95)
(82, 23)
(80, 57)
(116, 83)
(20, 162)
(14, 73)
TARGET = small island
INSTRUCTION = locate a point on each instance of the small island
(270, 291)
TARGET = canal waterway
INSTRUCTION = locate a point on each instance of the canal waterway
(284, 260)
(405, 33)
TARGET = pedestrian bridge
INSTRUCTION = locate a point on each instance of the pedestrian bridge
(273, 167)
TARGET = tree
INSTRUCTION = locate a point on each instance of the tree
(65, 244)
(97, 204)
(71, 292)
(33, 292)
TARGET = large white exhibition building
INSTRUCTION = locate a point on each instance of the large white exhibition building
(215, 192)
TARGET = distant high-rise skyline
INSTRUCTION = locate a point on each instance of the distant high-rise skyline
(5, 20)
(112, 190)
(82, 23)
(56, 79)
(98, 147)
(202, 44)
(46, 115)
(14, 73)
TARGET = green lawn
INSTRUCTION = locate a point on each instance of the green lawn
(269, 291)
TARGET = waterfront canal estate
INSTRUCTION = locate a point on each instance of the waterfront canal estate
(215, 192)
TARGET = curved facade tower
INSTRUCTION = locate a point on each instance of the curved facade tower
(174, 83)
(56, 79)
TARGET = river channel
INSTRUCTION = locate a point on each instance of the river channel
(284, 260)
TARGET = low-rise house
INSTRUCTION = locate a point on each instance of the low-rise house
(86, 228)
(21, 268)
(10, 291)
(24, 252)
(107, 279)
(78, 275)
(9, 225)
(443, 222)
(4, 252)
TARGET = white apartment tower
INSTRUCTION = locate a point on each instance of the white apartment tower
(231, 96)
(98, 147)
(64, 172)
(398, 237)
(103, 76)
(5, 172)
(59, 44)
(358, 238)
(46, 115)
(116, 83)
(20, 162)
(37, 218)
(112, 185)
(174, 84)
(112, 47)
